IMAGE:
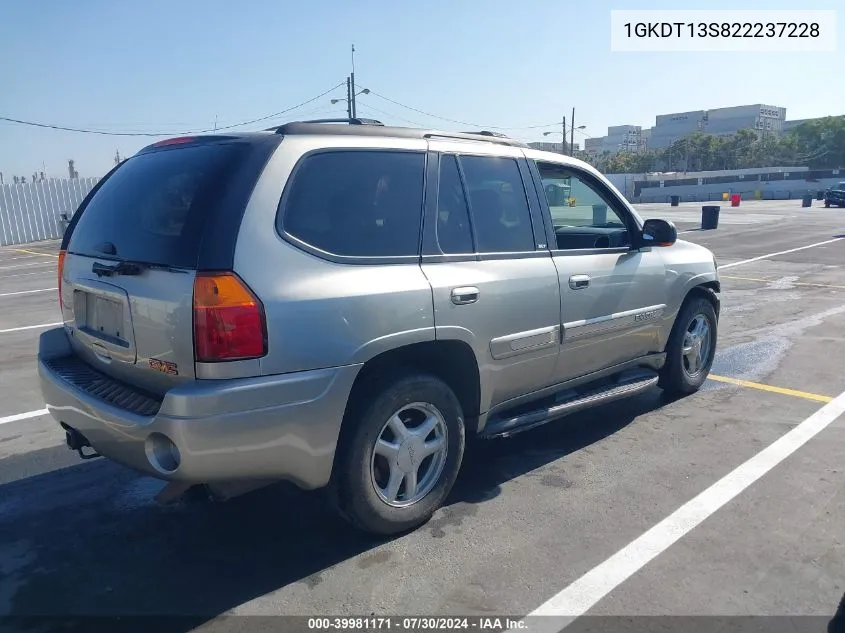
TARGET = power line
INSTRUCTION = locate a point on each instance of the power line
(459, 122)
(152, 134)
(390, 114)
(286, 110)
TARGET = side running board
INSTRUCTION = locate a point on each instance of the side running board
(572, 402)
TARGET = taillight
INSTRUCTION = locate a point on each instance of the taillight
(60, 269)
(228, 319)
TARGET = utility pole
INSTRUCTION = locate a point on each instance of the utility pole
(572, 134)
(352, 82)
(563, 142)
(349, 97)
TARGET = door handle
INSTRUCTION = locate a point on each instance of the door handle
(578, 282)
(464, 295)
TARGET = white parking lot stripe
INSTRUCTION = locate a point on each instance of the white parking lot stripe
(25, 292)
(17, 257)
(51, 271)
(576, 599)
(791, 250)
(40, 262)
(28, 327)
(23, 416)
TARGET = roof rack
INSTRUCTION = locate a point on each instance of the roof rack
(488, 133)
(280, 129)
(489, 137)
(372, 127)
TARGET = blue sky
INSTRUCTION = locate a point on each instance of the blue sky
(172, 66)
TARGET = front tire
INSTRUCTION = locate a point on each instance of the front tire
(400, 456)
(691, 348)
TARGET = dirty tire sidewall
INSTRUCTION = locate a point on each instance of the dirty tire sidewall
(674, 379)
(358, 500)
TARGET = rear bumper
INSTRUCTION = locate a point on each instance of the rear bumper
(269, 427)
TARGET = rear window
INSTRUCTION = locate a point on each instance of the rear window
(364, 203)
(155, 206)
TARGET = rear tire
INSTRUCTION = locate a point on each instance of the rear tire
(690, 349)
(826, 205)
(392, 434)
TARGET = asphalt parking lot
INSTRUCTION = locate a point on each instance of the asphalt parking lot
(640, 508)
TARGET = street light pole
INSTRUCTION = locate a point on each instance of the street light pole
(572, 134)
(349, 97)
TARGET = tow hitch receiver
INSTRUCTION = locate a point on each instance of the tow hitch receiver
(76, 442)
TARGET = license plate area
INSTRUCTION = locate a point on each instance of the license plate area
(102, 318)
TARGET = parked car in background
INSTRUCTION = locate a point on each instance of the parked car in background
(342, 304)
(835, 196)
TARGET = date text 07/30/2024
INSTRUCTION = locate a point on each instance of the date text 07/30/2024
(415, 623)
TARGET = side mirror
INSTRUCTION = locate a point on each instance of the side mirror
(659, 233)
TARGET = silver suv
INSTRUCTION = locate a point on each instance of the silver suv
(342, 305)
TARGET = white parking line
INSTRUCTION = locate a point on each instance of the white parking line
(38, 263)
(23, 416)
(576, 599)
(791, 250)
(29, 327)
(52, 271)
(25, 292)
(17, 257)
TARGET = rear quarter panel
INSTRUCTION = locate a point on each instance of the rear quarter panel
(321, 313)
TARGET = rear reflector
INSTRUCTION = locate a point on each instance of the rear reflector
(60, 270)
(228, 319)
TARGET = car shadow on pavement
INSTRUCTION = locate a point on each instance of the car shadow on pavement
(88, 540)
(837, 623)
(490, 463)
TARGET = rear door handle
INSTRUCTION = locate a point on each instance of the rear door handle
(578, 282)
(464, 295)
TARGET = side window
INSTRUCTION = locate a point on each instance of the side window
(453, 229)
(357, 202)
(583, 216)
(499, 205)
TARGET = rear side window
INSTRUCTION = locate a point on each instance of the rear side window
(357, 202)
(155, 206)
(453, 230)
(498, 203)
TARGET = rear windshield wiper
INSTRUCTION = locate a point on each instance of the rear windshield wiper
(126, 267)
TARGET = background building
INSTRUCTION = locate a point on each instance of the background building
(669, 128)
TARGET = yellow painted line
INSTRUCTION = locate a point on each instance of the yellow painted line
(781, 390)
(23, 250)
(791, 283)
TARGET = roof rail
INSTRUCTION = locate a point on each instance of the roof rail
(372, 127)
(357, 121)
(490, 137)
(488, 133)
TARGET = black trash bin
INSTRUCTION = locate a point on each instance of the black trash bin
(709, 217)
(807, 200)
(674, 200)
